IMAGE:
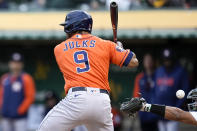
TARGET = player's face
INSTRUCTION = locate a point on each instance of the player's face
(15, 66)
(167, 63)
(148, 62)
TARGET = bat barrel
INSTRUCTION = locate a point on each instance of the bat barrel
(114, 18)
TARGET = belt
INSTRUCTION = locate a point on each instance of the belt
(85, 89)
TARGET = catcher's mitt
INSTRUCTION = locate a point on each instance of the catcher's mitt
(132, 106)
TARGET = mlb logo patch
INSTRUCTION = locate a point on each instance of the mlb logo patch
(92, 91)
(78, 36)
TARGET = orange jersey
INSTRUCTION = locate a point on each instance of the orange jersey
(84, 60)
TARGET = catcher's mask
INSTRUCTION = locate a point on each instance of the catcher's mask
(192, 95)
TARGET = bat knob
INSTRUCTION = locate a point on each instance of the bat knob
(113, 4)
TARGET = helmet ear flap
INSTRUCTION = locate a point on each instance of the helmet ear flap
(68, 29)
(90, 25)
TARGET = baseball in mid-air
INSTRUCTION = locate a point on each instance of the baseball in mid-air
(180, 94)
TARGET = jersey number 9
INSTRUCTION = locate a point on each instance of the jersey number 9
(84, 60)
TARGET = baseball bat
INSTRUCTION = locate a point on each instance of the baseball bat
(114, 18)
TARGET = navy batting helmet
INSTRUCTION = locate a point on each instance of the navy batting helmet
(77, 21)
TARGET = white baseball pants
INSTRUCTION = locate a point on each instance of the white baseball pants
(90, 108)
(168, 126)
(14, 124)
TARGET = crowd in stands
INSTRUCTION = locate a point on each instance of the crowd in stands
(38, 5)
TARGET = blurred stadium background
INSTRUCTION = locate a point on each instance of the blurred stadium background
(31, 27)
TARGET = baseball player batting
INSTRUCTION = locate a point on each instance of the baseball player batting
(84, 61)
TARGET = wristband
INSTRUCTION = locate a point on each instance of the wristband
(147, 107)
(156, 109)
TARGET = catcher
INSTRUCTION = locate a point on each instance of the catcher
(168, 112)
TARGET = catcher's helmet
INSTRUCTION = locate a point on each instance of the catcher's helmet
(77, 20)
(193, 96)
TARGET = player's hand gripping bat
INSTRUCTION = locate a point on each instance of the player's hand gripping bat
(114, 18)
